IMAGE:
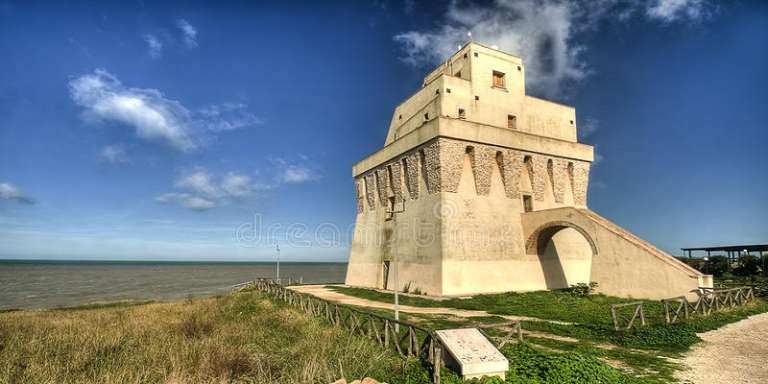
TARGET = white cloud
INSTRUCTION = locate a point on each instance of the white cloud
(154, 45)
(189, 32)
(671, 10)
(195, 203)
(203, 190)
(237, 185)
(228, 117)
(13, 193)
(543, 32)
(293, 173)
(199, 181)
(113, 154)
(153, 116)
(199, 189)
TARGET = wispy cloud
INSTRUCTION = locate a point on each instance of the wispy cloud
(294, 172)
(202, 190)
(153, 116)
(11, 192)
(545, 33)
(199, 189)
(113, 154)
(195, 203)
(189, 33)
(154, 46)
(228, 117)
(199, 181)
(671, 10)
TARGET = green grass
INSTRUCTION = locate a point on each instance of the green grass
(642, 351)
(550, 305)
(243, 337)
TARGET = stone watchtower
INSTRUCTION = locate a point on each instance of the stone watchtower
(480, 188)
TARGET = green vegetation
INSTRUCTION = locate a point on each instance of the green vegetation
(246, 337)
(585, 320)
(239, 338)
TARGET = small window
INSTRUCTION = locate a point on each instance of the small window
(571, 122)
(437, 91)
(477, 97)
(462, 113)
(519, 68)
(426, 116)
(465, 55)
(511, 121)
(400, 117)
(527, 203)
(447, 90)
(458, 74)
(498, 79)
(475, 54)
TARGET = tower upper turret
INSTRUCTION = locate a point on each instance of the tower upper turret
(484, 86)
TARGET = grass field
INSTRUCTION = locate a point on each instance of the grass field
(238, 338)
(241, 338)
(647, 353)
(246, 338)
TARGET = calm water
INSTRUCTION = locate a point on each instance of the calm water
(47, 284)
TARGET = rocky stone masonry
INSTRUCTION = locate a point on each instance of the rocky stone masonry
(359, 195)
(559, 179)
(412, 174)
(370, 192)
(580, 182)
(382, 183)
(443, 161)
(539, 173)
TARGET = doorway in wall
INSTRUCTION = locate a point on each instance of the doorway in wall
(386, 273)
(527, 203)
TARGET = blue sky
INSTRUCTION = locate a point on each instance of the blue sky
(169, 131)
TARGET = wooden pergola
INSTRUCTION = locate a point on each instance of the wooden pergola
(734, 252)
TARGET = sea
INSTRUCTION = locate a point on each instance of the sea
(35, 284)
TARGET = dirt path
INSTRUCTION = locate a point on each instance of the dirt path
(329, 294)
(735, 354)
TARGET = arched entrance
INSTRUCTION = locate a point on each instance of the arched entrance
(565, 252)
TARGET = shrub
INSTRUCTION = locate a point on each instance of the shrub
(582, 289)
(748, 266)
(718, 265)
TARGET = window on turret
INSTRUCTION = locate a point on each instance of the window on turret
(458, 74)
(498, 79)
(462, 113)
(511, 121)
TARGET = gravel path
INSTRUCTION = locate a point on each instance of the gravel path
(735, 354)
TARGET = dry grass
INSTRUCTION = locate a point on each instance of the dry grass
(238, 338)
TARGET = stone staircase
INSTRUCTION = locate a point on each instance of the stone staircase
(648, 247)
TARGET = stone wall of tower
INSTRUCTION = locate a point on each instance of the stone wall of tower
(448, 212)
(439, 165)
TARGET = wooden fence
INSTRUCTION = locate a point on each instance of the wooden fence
(407, 339)
(679, 308)
(622, 321)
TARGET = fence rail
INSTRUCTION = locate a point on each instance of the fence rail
(624, 322)
(677, 309)
(407, 339)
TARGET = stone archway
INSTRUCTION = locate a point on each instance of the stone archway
(565, 252)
